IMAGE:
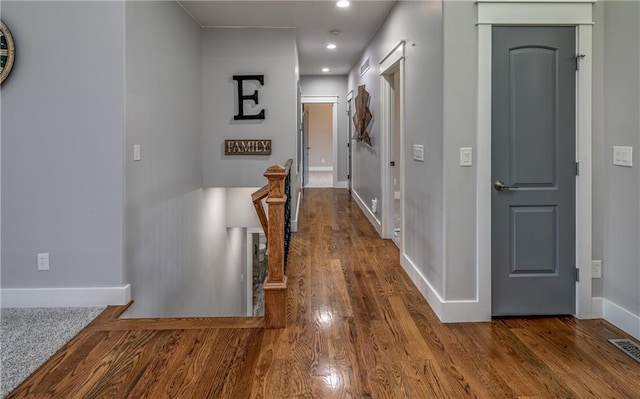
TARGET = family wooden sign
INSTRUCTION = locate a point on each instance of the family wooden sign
(247, 147)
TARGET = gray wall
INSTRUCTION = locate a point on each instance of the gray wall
(320, 135)
(178, 248)
(333, 86)
(228, 52)
(620, 185)
(460, 87)
(183, 260)
(66, 188)
(420, 24)
(62, 138)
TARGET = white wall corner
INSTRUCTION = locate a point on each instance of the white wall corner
(375, 222)
(621, 317)
(427, 291)
(459, 311)
(64, 297)
(597, 308)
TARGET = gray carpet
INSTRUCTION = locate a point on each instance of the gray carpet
(29, 337)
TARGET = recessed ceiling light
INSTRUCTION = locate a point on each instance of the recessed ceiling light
(325, 69)
(343, 3)
(331, 46)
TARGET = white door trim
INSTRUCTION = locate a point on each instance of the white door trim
(393, 61)
(350, 140)
(334, 101)
(547, 12)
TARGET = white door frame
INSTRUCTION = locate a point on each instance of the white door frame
(391, 63)
(576, 13)
(350, 140)
(333, 100)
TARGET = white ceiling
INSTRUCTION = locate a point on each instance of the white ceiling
(313, 20)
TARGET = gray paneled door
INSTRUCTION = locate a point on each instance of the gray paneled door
(533, 170)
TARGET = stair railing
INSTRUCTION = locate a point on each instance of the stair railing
(277, 229)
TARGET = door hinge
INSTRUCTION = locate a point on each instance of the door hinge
(392, 163)
(577, 168)
(577, 275)
(578, 58)
(348, 177)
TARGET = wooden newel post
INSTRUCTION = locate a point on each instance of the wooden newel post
(275, 286)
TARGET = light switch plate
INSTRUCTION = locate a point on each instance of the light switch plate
(418, 152)
(466, 156)
(136, 152)
(623, 156)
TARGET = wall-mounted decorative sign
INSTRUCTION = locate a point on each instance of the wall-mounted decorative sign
(363, 118)
(7, 52)
(247, 147)
(247, 97)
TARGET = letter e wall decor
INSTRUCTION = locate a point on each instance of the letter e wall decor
(247, 97)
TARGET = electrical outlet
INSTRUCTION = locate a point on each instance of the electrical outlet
(43, 261)
(596, 269)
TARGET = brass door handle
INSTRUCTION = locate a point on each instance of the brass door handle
(500, 186)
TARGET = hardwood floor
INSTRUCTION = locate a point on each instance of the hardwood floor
(356, 328)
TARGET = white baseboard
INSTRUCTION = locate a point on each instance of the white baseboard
(341, 184)
(367, 212)
(597, 308)
(619, 317)
(64, 297)
(320, 168)
(459, 311)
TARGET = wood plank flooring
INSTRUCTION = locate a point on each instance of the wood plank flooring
(356, 328)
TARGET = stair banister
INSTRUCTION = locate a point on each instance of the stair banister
(276, 229)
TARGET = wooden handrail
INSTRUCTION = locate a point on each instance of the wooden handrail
(287, 165)
(277, 230)
(257, 198)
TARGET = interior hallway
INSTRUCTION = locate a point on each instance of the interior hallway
(356, 327)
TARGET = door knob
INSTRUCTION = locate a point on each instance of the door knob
(500, 186)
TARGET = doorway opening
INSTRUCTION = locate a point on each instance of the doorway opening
(319, 141)
(392, 125)
(392, 83)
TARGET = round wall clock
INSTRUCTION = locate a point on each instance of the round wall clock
(7, 52)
